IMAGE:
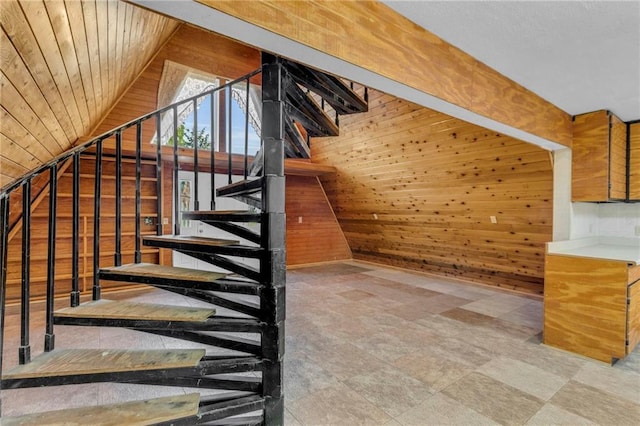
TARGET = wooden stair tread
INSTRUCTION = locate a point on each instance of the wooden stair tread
(216, 242)
(221, 212)
(223, 215)
(68, 362)
(132, 310)
(243, 187)
(146, 412)
(161, 271)
(199, 246)
(175, 277)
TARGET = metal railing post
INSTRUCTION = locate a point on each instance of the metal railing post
(49, 337)
(196, 203)
(176, 189)
(229, 134)
(138, 253)
(4, 240)
(213, 155)
(159, 185)
(75, 233)
(96, 291)
(24, 351)
(118, 219)
(246, 132)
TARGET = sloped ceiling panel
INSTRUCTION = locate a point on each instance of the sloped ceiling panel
(64, 64)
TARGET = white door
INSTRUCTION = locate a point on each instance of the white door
(198, 228)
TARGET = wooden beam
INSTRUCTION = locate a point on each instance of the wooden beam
(371, 35)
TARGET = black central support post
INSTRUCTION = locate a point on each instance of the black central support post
(272, 265)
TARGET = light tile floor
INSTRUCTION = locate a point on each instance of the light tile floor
(372, 345)
(380, 346)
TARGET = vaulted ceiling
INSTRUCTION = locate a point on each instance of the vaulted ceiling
(579, 55)
(64, 64)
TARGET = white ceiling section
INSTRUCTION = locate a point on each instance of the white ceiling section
(579, 55)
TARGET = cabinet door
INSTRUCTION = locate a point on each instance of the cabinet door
(634, 161)
(633, 316)
(590, 157)
(618, 160)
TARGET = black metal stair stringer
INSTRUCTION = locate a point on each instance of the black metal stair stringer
(223, 216)
(215, 323)
(228, 264)
(244, 385)
(233, 343)
(295, 138)
(340, 96)
(225, 285)
(236, 230)
(244, 187)
(242, 306)
(249, 200)
(221, 410)
(303, 108)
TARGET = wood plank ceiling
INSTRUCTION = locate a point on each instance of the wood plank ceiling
(64, 64)
(421, 190)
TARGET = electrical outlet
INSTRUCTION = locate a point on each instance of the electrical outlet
(165, 221)
(299, 219)
(375, 216)
(493, 219)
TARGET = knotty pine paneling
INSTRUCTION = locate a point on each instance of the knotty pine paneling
(415, 188)
(372, 35)
(190, 47)
(40, 224)
(64, 64)
(634, 161)
(313, 233)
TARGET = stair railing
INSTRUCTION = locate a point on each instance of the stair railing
(97, 148)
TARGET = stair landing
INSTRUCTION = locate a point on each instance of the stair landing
(131, 413)
(136, 311)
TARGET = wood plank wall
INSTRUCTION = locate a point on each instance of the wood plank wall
(64, 64)
(371, 35)
(190, 47)
(416, 188)
(107, 227)
(313, 233)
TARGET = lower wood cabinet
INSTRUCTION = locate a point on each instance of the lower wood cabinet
(592, 306)
(633, 316)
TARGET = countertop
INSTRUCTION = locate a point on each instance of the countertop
(610, 248)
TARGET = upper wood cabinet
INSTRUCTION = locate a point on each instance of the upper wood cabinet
(599, 162)
(634, 161)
